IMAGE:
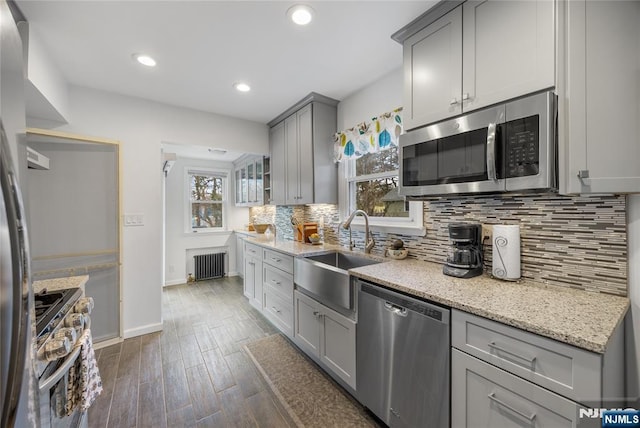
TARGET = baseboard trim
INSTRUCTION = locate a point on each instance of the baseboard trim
(174, 282)
(108, 342)
(134, 332)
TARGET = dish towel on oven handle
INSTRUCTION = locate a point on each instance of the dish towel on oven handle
(85, 383)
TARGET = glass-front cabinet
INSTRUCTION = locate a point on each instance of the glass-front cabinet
(249, 179)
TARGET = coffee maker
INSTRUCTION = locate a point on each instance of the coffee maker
(464, 259)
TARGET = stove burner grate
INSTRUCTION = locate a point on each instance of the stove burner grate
(47, 306)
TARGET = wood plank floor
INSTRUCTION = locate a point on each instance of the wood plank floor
(195, 372)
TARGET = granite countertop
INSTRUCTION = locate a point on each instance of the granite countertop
(294, 248)
(60, 283)
(583, 319)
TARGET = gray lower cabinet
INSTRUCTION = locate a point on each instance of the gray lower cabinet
(326, 336)
(253, 275)
(485, 396)
(277, 282)
(502, 376)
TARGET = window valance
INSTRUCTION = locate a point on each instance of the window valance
(381, 133)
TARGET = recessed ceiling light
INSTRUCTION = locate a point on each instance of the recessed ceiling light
(301, 14)
(144, 60)
(242, 87)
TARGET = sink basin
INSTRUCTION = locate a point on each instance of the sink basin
(325, 278)
(341, 260)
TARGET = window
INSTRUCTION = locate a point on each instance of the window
(372, 186)
(207, 196)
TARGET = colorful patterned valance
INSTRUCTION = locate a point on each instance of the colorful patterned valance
(381, 133)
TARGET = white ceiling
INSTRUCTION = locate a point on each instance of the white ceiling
(203, 47)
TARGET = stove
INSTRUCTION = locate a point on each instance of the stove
(49, 304)
(51, 310)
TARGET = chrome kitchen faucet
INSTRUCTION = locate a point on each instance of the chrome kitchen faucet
(369, 242)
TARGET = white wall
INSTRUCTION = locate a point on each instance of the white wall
(383, 95)
(177, 240)
(141, 126)
(46, 90)
(633, 321)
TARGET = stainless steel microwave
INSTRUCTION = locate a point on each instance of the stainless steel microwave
(509, 147)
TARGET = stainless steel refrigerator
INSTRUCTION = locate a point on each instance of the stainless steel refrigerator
(18, 390)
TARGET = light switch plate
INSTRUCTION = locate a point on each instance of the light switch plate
(133, 220)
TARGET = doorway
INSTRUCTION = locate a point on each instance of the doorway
(74, 217)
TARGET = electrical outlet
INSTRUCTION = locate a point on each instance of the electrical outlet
(487, 232)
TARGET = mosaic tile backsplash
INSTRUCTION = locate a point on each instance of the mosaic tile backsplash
(578, 242)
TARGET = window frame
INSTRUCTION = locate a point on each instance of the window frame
(188, 202)
(412, 225)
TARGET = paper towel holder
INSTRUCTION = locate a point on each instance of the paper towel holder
(506, 252)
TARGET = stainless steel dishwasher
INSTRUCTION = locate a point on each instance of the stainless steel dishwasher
(403, 358)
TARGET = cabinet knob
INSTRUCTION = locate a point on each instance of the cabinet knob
(465, 96)
(454, 102)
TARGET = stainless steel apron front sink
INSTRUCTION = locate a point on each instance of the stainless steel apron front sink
(325, 277)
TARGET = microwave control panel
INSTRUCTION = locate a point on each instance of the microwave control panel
(522, 147)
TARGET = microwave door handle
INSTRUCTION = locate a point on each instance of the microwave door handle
(491, 152)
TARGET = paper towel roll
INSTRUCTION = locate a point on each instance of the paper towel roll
(506, 252)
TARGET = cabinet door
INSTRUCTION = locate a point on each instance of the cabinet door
(599, 105)
(306, 324)
(305, 156)
(249, 277)
(291, 160)
(432, 61)
(244, 184)
(251, 183)
(259, 182)
(508, 50)
(240, 255)
(238, 186)
(278, 164)
(338, 345)
(485, 396)
(257, 298)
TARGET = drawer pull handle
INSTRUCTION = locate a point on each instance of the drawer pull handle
(501, 403)
(276, 260)
(276, 282)
(531, 360)
(317, 314)
(276, 310)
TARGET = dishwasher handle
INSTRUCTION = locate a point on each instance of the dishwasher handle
(395, 309)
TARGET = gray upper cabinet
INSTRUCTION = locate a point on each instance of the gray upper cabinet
(278, 159)
(508, 50)
(478, 54)
(433, 71)
(301, 146)
(599, 97)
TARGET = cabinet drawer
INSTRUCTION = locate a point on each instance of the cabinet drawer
(280, 281)
(278, 310)
(485, 396)
(567, 370)
(252, 249)
(279, 260)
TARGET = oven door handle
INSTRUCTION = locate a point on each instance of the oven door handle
(62, 370)
(491, 152)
